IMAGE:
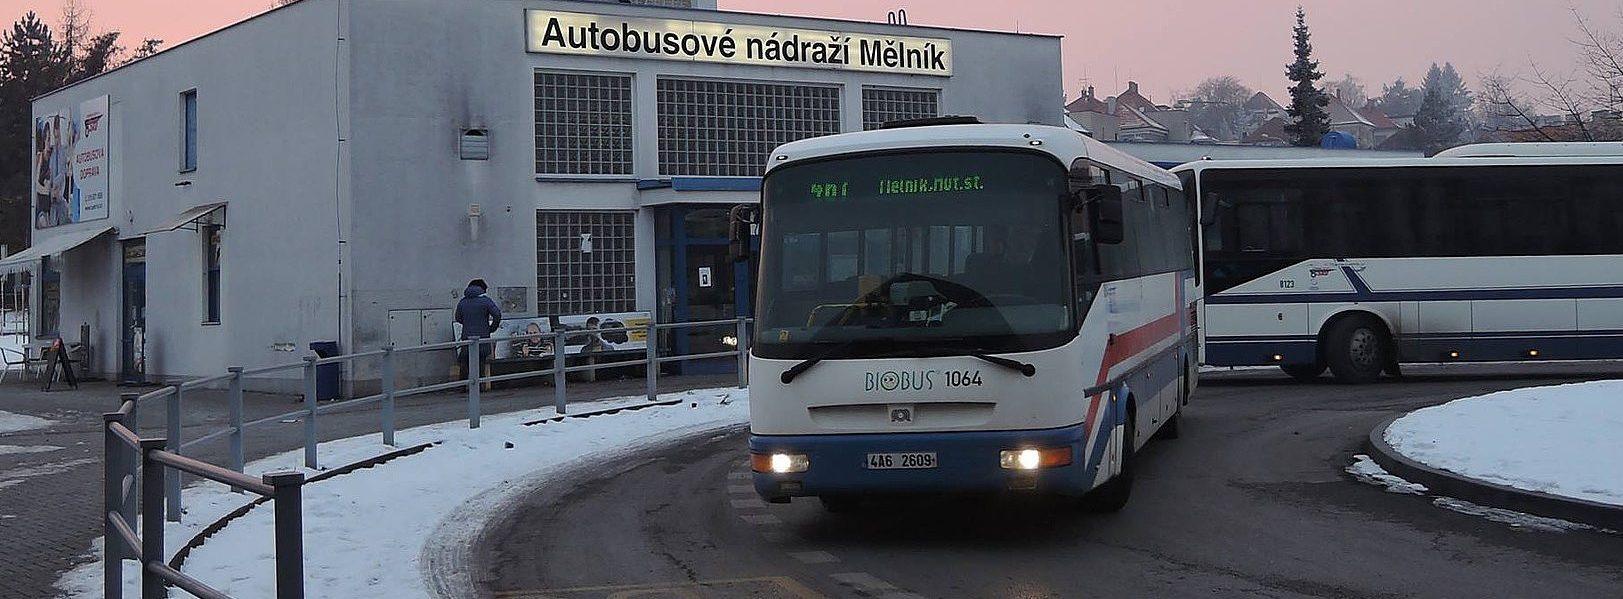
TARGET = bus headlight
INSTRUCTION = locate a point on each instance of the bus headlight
(779, 463)
(1033, 459)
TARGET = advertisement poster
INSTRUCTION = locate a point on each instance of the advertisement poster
(90, 162)
(532, 338)
(587, 332)
(69, 155)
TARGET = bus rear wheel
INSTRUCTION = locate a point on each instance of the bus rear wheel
(1357, 349)
(1305, 372)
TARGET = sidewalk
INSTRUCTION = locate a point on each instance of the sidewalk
(1551, 451)
(50, 498)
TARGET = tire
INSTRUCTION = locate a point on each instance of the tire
(1357, 350)
(1113, 495)
(1303, 372)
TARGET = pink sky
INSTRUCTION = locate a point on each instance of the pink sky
(1165, 45)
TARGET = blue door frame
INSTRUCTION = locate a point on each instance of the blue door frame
(742, 281)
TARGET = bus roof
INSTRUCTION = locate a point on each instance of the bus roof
(1500, 150)
(1437, 161)
(1060, 142)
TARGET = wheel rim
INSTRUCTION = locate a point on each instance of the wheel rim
(1364, 348)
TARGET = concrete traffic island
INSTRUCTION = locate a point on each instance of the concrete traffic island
(1553, 451)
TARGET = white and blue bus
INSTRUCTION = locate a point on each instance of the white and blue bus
(966, 308)
(1501, 252)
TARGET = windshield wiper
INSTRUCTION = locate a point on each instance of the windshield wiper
(1009, 363)
(789, 375)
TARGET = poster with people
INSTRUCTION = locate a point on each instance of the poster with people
(532, 338)
(611, 331)
(70, 171)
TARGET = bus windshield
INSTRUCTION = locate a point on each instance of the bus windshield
(916, 253)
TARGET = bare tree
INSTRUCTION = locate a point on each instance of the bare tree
(1217, 107)
(1350, 89)
(1577, 105)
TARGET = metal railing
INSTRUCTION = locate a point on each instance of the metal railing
(168, 451)
(130, 458)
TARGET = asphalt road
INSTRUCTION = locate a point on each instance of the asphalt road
(1252, 501)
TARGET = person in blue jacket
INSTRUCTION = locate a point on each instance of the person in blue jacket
(479, 315)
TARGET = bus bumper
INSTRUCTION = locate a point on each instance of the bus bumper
(966, 462)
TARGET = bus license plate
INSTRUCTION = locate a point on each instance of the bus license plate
(901, 461)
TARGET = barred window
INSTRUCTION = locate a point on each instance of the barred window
(585, 262)
(883, 105)
(727, 128)
(582, 124)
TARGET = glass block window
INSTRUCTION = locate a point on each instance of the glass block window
(582, 124)
(585, 262)
(883, 105)
(727, 128)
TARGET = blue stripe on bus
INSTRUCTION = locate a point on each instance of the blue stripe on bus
(1434, 347)
(1605, 292)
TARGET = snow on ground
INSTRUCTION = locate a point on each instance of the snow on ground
(364, 532)
(11, 423)
(5, 449)
(1562, 439)
(1366, 470)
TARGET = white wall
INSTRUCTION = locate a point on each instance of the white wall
(266, 144)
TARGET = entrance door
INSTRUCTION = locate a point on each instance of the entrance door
(132, 350)
(707, 284)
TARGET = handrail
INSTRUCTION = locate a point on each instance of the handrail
(125, 533)
(186, 583)
(195, 383)
(267, 369)
(348, 357)
(210, 471)
(123, 433)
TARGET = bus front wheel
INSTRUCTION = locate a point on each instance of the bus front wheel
(1356, 349)
(1113, 495)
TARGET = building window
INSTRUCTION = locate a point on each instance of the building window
(727, 128)
(883, 105)
(585, 262)
(211, 272)
(582, 124)
(188, 130)
(669, 3)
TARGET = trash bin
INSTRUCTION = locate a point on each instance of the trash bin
(326, 374)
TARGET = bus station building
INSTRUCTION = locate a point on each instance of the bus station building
(338, 170)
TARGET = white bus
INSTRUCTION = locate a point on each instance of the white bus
(1478, 254)
(966, 308)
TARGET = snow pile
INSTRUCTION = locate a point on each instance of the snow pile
(364, 532)
(1563, 440)
(1367, 471)
(5, 449)
(11, 423)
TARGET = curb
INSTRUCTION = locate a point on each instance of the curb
(604, 411)
(1443, 482)
(214, 528)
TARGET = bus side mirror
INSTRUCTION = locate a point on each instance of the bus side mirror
(1108, 226)
(1208, 209)
(740, 222)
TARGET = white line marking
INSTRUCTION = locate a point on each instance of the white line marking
(777, 536)
(814, 557)
(749, 503)
(761, 519)
(741, 489)
(738, 476)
